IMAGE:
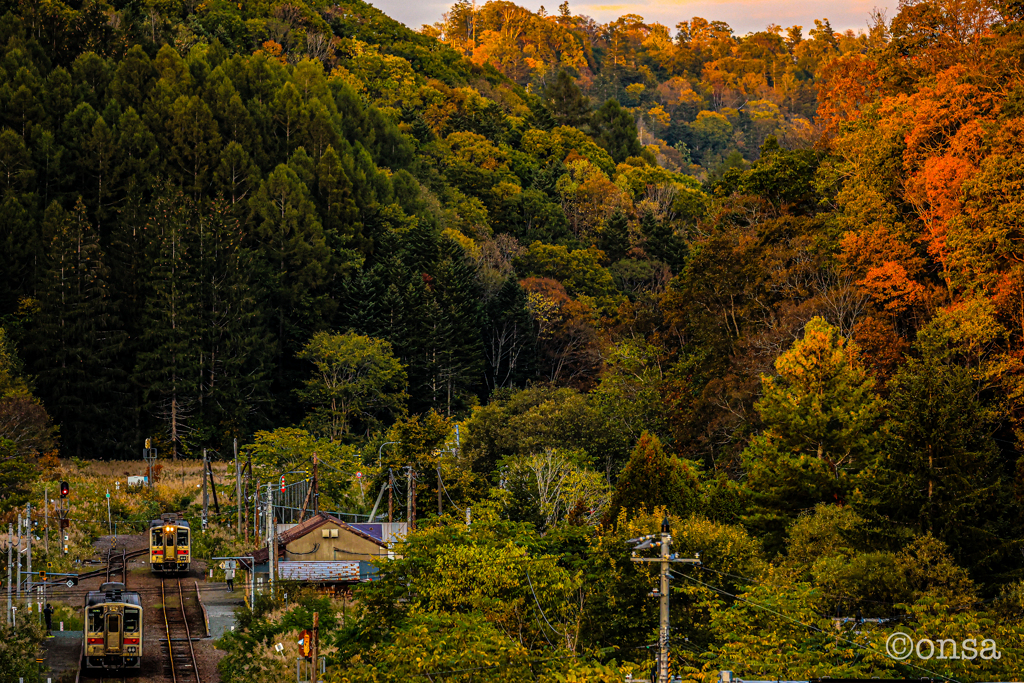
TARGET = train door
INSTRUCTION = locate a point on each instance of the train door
(113, 633)
(170, 549)
(156, 545)
(94, 633)
(183, 548)
(132, 635)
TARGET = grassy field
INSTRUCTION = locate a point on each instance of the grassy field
(177, 488)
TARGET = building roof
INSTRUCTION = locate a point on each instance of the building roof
(308, 526)
(374, 529)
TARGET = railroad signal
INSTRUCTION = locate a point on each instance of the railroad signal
(306, 643)
(64, 489)
(282, 483)
(42, 576)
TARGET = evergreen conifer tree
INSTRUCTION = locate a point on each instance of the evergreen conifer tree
(566, 102)
(169, 364)
(77, 337)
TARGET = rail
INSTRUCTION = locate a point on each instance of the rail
(206, 615)
(179, 673)
(103, 572)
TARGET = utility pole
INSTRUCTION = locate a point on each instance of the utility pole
(238, 487)
(248, 487)
(46, 522)
(28, 528)
(206, 494)
(271, 535)
(316, 485)
(213, 487)
(316, 643)
(410, 504)
(17, 556)
(665, 560)
(438, 491)
(10, 544)
(391, 496)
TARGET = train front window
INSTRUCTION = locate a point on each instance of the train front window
(96, 620)
(113, 623)
(183, 537)
(131, 620)
(157, 537)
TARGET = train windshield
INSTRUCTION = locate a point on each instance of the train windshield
(157, 537)
(131, 620)
(113, 623)
(96, 620)
(182, 536)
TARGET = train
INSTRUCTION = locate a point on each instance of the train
(170, 544)
(113, 628)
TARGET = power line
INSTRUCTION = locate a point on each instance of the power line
(805, 625)
(530, 581)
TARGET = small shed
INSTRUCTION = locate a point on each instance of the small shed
(325, 549)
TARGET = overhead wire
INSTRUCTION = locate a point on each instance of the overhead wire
(811, 627)
(541, 609)
(444, 488)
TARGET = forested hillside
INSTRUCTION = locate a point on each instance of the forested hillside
(770, 285)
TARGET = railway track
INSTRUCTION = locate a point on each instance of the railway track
(117, 564)
(104, 572)
(183, 667)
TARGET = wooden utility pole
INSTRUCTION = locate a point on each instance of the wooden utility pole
(248, 481)
(410, 506)
(46, 521)
(391, 496)
(316, 647)
(206, 494)
(316, 485)
(309, 493)
(439, 491)
(213, 485)
(238, 487)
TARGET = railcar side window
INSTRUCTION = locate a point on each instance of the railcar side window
(182, 536)
(131, 620)
(96, 620)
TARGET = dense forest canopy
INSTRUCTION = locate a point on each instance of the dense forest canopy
(771, 284)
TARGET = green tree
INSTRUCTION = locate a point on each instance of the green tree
(77, 336)
(653, 478)
(939, 471)
(615, 130)
(296, 249)
(820, 415)
(169, 365)
(567, 103)
(356, 379)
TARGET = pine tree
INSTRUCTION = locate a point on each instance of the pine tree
(653, 478)
(615, 130)
(296, 250)
(567, 103)
(509, 337)
(169, 365)
(77, 337)
(234, 353)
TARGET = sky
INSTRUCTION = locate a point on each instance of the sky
(744, 16)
